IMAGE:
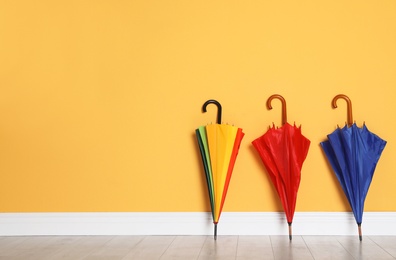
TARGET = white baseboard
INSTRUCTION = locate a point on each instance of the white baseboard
(193, 223)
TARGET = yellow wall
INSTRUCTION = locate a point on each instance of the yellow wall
(99, 100)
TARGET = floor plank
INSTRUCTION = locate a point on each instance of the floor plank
(225, 247)
(77, 248)
(185, 247)
(115, 249)
(365, 249)
(254, 247)
(387, 243)
(285, 249)
(326, 248)
(150, 248)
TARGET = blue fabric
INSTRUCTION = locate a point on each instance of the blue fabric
(353, 154)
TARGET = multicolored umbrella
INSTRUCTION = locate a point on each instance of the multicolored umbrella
(218, 145)
(353, 154)
(283, 151)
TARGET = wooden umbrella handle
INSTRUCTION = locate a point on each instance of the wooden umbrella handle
(277, 96)
(349, 106)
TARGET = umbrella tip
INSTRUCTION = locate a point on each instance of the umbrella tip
(360, 231)
(290, 230)
(215, 231)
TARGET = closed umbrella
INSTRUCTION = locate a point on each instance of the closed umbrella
(283, 151)
(353, 154)
(219, 145)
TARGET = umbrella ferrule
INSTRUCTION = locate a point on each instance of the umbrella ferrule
(290, 230)
(360, 231)
(215, 231)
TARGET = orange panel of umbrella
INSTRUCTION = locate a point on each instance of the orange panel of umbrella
(219, 145)
(353, 154)
(283, 151)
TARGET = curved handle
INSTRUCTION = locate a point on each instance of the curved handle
(212, 101)
(349, 106)
(284, 116)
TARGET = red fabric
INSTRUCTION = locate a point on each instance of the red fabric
(234, 154)
(283, 151)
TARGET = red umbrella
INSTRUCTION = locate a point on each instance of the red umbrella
(283, 151)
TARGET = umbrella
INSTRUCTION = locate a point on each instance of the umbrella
(218, 145)
(283, 151)
(353, 154)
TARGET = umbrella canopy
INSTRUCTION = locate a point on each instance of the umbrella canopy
(353, 154)
(283, 151)
(219, 146)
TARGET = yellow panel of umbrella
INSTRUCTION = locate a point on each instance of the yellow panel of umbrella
(219, 145)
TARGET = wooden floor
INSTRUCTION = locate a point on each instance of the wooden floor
(197, 247)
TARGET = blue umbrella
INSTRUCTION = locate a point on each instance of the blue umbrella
(353, 154)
